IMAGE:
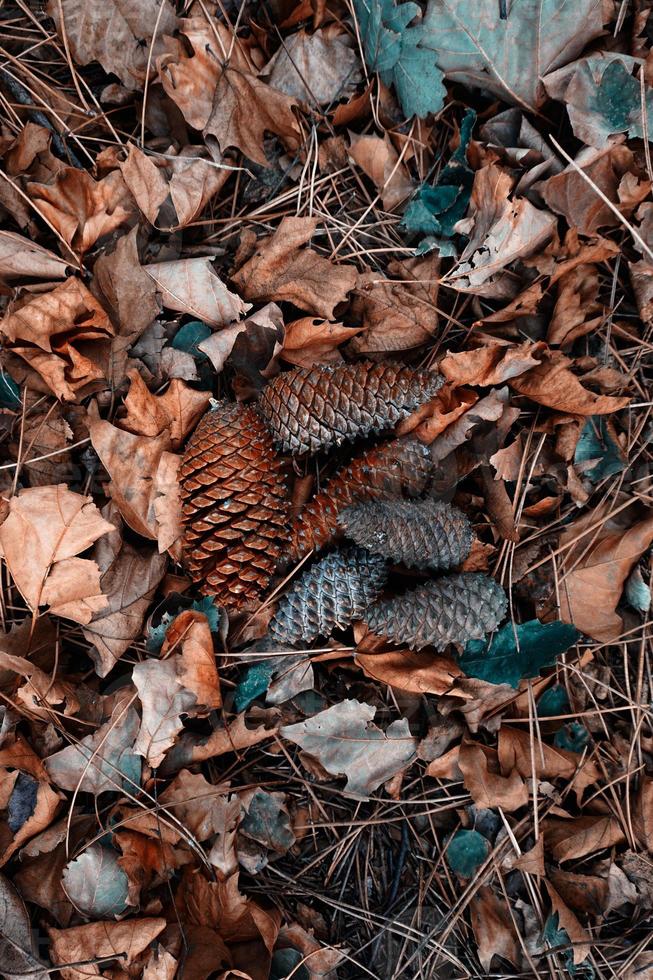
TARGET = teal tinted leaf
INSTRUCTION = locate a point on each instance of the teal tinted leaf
(255, 683)
(500, 661)
(474, 46)
(572, 737)
(285, 963)
(466, 852)
(553, 702)
(637, 592)
(96, 884)
(557, 938)
(189, 337)
(393, 49)
(212, 612)
(598, 441)
(9, 391)
(157, 634)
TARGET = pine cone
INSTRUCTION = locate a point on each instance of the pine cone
(402, 466)
(453, 609)
(419, 533)
(309, 409)
(334, 592)
(235, 505)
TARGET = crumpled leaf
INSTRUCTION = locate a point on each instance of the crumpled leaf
(310, 341)
(516, 651)
(546, 762)
(316, 68)
(283, 269)
(475, 46)
(104, 761)
(95, 883)
(491, 364)
(553, 383)
(18, 955)
(46, 529)
(397, 316)
(117, 35)
(487, 785)
(267, 821)
(598, 568)
(177, 410)
(191, 286)
(397, 52)
(101, 939)
(345, 743)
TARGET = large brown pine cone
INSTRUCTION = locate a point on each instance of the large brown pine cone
(402, 467)
(309, 409)
(419, 533)
(331, 594)
(453, 609)
(235, 505)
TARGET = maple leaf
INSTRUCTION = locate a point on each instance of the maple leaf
(44, 532)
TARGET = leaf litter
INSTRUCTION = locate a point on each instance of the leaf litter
(214, 203)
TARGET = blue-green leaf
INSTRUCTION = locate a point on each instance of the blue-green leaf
(9, 391)
(96, 884)
(597, 441)
(255, 683)
(554, 936)
(517, 651)
(189, 337)
(637, 592)
(466, 852)
(554, 701)
(573, 737)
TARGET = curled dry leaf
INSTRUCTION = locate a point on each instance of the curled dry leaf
(552, 383)
(396, 316)
(493, 928)
(191, 286)
(126, 291)
(177, 411)
(404, 669)
(233, 737)
(283, 269)
(379, 160)
(487, 787)
(21, 258)
(47, 527)
(104, 941)
(490, 365)
(345, 742)
(310, 341)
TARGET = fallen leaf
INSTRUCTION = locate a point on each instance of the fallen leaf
(467, 851)
(492, 364)
(310, 341)
(321, 961)
(120, 941)
(282, 269)
(596, 569)
(395, 316)
(573, 839)
(176, 411)
(45, 319)
(234, 737)
(191, 286)
(486, 787)
(126, 291)
(553, 384)
(517, 650)
(96, 884)
(267, 821)
(317, 68)
(29, 805)
(225, 99)
(249, 345)
(120, 38)
(379, 161)
(493, 928)
(408, 671)
(501, 230)
(82, 209)
(476, 45)
(518, 753)
(345, 742)
(167, 505)
(42, 694)
(21, 258)
(128, 578)
(18, 953)
(568, 929)
(46, 434)
(47, 527)
(431, 420)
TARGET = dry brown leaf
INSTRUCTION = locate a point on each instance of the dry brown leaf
(205, 809)
(577, 301)
(42, 694)
(379, 160)
(125, 290)
(570, 195)
(128, 578)
(167, 505)
(192, 286)
(598, 567)
(493, 407)
(283, 269)
(493, 928)
(186, 682)
(581, 946)
(518, 754)
(260, 336)
(119, 36)
(82, 209)
(492, 364)
(500, 231)
(486, 786)
(429, 421)
(21, 258)
(30, 804)
(47, 527)
(132, 462)
(321, 962)
(310, 341)
(317, 68)
(553, 384)
(396, 316)
(176, 411)
(223, 98)
(570, 840)
(101, 940)
(234, 737)
(408, 671)
(46, 434)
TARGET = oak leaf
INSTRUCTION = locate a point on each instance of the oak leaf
(47, 527)
(282, 269)
(517, 753)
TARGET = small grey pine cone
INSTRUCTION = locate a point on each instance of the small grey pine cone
(419, 533)
(331, 594)
(452, 609)
(310, 409)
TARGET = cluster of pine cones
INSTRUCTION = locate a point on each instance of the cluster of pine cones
(238, 530)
